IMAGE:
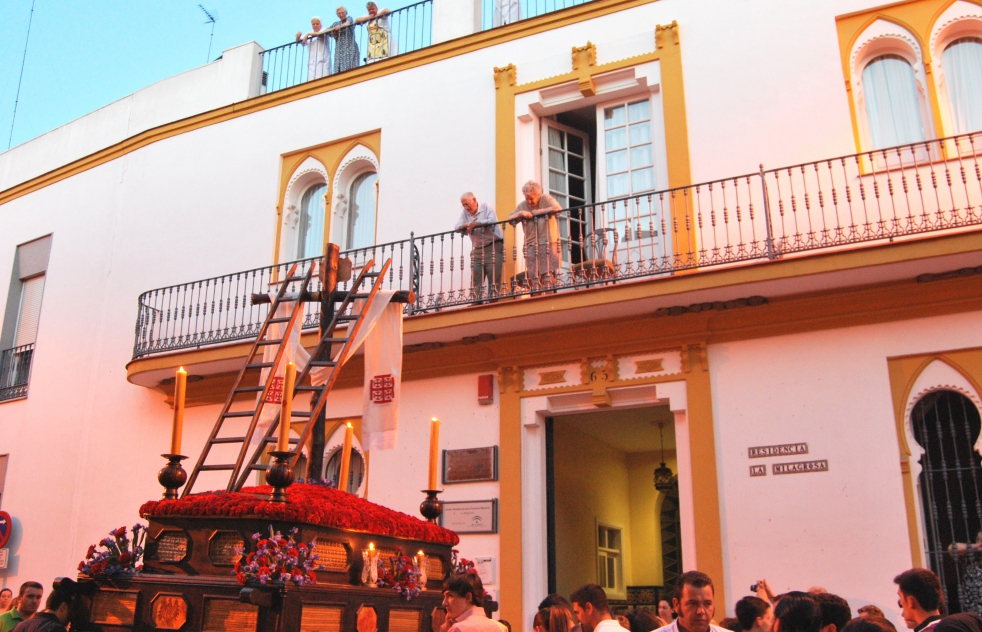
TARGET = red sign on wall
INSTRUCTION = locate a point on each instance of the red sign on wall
(383, 389)
(275, 393)
(6, 526)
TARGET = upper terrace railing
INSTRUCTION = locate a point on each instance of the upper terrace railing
(495, 13)
(834, 204)
(346, 48)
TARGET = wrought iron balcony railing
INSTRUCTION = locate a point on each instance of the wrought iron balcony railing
(495, 13)
(839, 203)
(15, 371)
(346, 48)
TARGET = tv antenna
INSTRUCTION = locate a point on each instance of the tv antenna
(20, 79)
(211, 20)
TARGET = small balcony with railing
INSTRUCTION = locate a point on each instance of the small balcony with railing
(838, 205)
(365, 40)
(15, 371)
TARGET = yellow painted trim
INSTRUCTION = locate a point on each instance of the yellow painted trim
(668, 54)
(428, 55)
(705, 486)
(903, 372)
(330, 155)
(919, 17)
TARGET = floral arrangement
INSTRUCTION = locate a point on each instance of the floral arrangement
(277, 559)
(118, 555)
(306, 504)
(459, 565)
(400, 574)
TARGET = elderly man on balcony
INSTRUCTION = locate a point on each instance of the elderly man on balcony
(318, 50)
(487, 244)
(538, 216)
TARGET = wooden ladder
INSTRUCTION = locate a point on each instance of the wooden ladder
(253, 363)
(321, 391)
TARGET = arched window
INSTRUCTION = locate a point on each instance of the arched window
(361, 212)
(892, 106)
(962, 63)
(946, 425)
(356, 470)
(310, 229)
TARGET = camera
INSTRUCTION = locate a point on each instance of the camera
(754, 587)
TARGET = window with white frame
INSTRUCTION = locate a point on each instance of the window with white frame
(310, 227)
(962, 64)
(627, 148)
(892, 104)
(361, 211)
(609, 558)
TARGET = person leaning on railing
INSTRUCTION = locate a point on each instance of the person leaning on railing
(346, 50)
(487, 243)
(380, 43)
(538, 216)
(318, 54)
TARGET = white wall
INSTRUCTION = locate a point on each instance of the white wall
(845, 529)
(234, 77)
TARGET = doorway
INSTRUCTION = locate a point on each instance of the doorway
(607, 523)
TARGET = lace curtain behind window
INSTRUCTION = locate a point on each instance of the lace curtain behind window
(892, 106)
(962, 63)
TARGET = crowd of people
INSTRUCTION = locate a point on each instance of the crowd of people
(340, 36)
(24, 613)
(692, 608)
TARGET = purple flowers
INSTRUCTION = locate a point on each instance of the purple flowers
(401, 574)
(277, 559)
(117, 556)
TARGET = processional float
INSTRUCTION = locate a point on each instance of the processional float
(243, 557)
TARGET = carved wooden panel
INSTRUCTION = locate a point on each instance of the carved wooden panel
(320, 618)
(225, 615)
(172, 546)
(404, 620)
(113, 607)
(221, 549)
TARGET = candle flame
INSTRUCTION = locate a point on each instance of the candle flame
(420, 553)
(349, 425)
(371, 546)
(435, 420)
(181, 370)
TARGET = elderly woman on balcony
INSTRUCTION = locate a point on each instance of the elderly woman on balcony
(346, 51)
(380, 42)
(538, 216)
(318, 50)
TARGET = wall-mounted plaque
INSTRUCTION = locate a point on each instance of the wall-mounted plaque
(800, 467)
(471, 465)
(758, 470)
(785, 449)
(471, 516)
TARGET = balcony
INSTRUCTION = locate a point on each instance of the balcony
(15, 371)
(405, 30)
(835, 205)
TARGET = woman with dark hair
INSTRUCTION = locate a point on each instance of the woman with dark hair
(552, 619)
(665, 610)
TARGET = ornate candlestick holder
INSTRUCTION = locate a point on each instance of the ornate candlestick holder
(279, 474)
(172, 476)
(431, 507)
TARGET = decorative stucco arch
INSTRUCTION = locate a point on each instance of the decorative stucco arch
(308, 173)
(962, 18)
(356, 161)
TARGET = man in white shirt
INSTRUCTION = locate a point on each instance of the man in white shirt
(487, 241)
(694, 603)
(591, 608)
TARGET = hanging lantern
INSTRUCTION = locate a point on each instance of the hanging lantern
(663, 473)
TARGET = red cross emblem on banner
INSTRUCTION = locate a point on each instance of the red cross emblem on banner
(275, 393)
(383, 389)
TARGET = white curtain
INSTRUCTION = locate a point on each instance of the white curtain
(892, 104)
(962, 63)
(310, 230)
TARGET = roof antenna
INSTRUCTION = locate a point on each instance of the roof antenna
(21, 78)
(211, 19)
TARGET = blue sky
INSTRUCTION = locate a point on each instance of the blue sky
(84, 54)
